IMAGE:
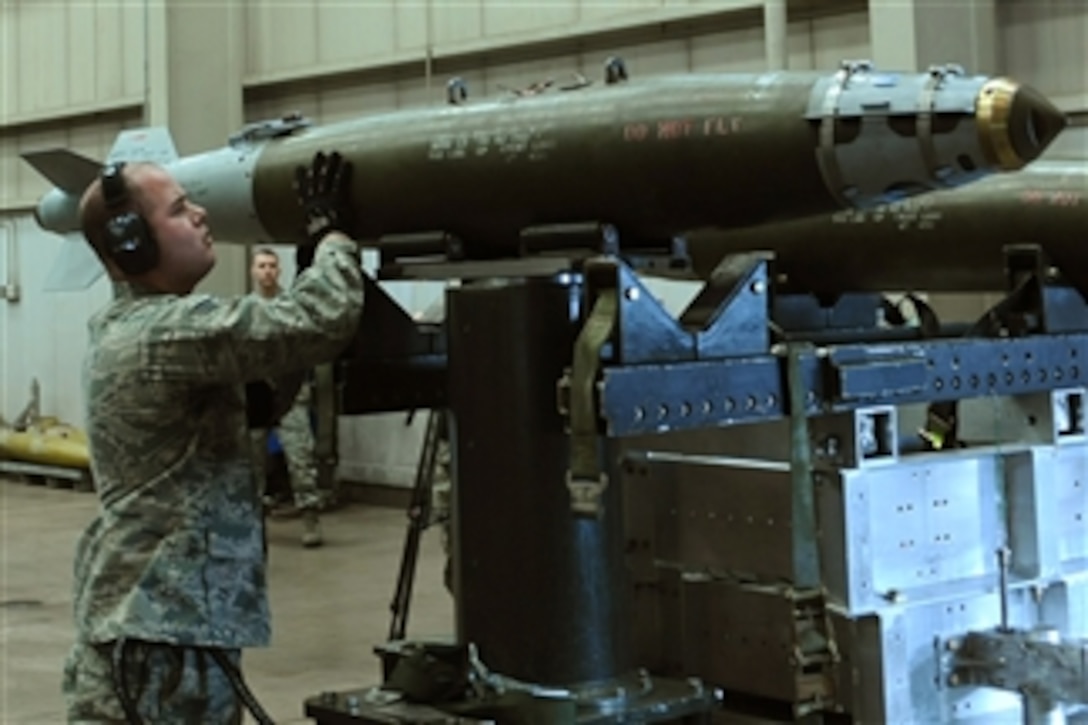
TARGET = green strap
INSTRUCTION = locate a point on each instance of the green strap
(585, 479)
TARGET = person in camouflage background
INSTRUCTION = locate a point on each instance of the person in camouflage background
(170, 578)
(294, 430)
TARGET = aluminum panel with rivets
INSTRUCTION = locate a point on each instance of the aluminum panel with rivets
(927, 527)
(1047, 503)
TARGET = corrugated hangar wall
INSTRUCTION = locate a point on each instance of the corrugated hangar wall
(75, 72)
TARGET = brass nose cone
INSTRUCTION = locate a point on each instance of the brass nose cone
(1016, 123)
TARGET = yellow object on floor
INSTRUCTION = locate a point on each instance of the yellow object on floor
(47, 441)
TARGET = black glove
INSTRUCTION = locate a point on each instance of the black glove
(324, 192)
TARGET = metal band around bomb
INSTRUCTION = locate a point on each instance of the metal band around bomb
(825, 154)
(927, 107)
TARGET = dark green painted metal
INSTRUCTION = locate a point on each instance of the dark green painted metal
(942, 241)
(539, 588)
(654, 156)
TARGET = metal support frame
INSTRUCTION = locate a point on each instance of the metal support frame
(514, 532)
(658, 376)
(539, 590)
(394, 363)
(715, 366)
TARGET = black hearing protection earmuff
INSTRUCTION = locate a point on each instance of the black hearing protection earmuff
(129, 241)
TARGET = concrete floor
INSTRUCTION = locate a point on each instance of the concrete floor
(330, 606)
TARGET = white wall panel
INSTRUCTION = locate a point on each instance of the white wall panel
(381, 449)
(813, 44)
(839, 37)
(341, 103)
(799, 47)
(355, 31)
(80, 54)
(285, 37)
(290, 40)
(729, 51)
(412, 92)
(9, 161)
(108, 72)
(281, 36)
(45, 334)
(8, 276)
(57, 57)
(410, 25)
(41, 62)
(20, 184)
(130, 32)
(259, 46)
(594, 10)
(509, 17)
(9, 72)
(456, 22)
(1045, 42)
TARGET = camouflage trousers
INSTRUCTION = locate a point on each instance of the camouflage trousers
(167, 684)
(297, 439)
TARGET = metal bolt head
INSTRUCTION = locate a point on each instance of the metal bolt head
(894, 596)
(829, 447)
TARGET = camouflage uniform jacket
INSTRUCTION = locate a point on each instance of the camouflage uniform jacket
(176, 552)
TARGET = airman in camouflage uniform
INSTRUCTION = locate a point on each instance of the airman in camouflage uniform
(170, 580)
(294, 429)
